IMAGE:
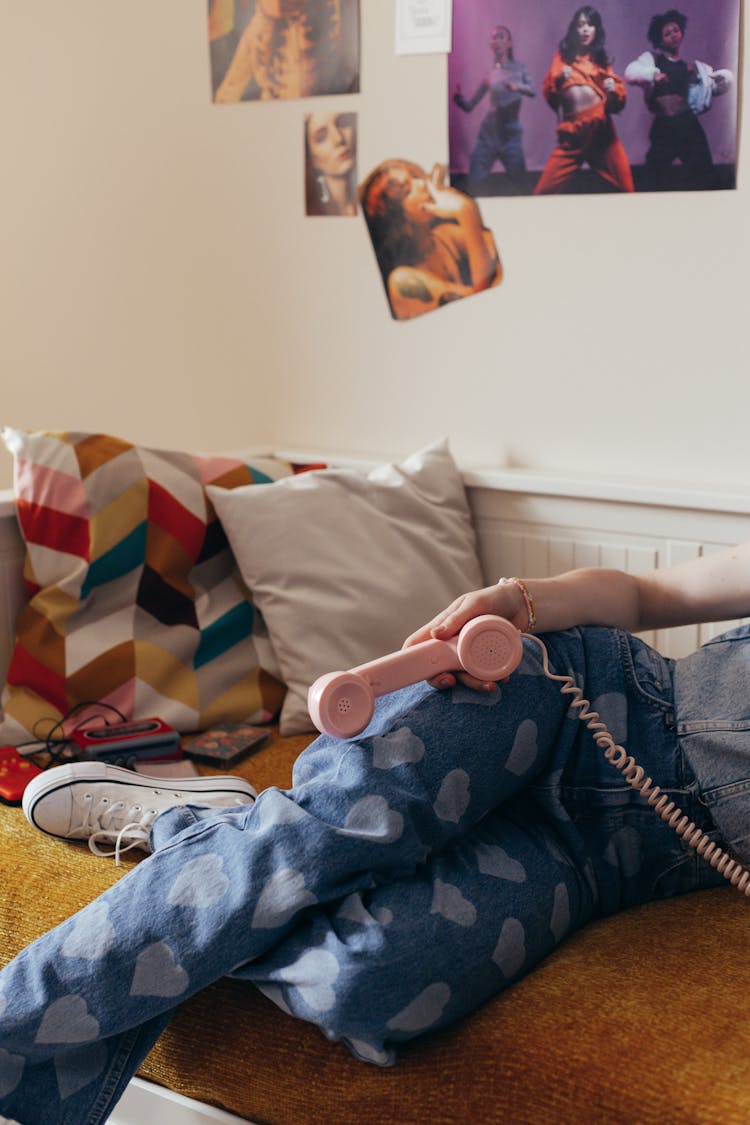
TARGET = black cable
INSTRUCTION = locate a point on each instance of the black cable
(57, 739)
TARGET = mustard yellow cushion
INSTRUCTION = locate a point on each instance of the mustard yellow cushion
(642, 1019)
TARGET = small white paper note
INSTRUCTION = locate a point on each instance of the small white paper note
(423, 26)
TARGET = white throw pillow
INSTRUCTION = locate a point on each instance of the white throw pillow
(343, 565)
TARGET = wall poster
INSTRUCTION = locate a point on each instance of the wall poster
(330, 163)
(268, 49)
(430, 243)
(423, 26)
(548, 98)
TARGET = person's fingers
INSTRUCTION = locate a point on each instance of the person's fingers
(486, 686)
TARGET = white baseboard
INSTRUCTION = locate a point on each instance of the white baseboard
(145, 1103)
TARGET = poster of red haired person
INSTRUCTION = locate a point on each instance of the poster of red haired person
(430, 243)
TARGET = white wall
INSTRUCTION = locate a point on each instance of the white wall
(159, 280)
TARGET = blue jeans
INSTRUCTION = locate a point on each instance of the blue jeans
(712, 694)
(482, 828)
(497, 140)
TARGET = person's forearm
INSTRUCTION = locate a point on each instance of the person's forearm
(543, 605)
(709, 588)
(526, 86)
(590, 596)
(255, 40)
(468, 104)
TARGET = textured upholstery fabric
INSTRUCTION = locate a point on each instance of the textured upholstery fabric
(134, 597)
(639, 1020)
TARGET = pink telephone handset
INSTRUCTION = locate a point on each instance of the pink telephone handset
(342, 703)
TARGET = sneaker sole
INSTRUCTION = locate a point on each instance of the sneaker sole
(62, 776)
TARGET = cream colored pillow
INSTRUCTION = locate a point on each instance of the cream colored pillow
(343, 565)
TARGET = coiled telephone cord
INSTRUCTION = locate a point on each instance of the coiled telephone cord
(636, 778)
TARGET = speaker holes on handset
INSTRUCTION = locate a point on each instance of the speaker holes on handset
(487, 649)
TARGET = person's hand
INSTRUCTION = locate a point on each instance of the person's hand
(448, 202)
(609, 85)
(565, 74)
(504, 601)
(660, 78)
(511, 86)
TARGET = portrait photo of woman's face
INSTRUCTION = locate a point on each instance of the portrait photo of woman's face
(331, 164)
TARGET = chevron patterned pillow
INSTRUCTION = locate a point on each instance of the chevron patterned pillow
(134, 597)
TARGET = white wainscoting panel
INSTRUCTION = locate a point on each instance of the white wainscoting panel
(539, 535)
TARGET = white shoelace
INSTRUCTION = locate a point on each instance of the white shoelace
(113, 822)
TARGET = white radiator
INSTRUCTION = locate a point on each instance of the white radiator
(535, 525)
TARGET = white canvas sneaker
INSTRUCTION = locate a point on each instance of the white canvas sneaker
(108, 804)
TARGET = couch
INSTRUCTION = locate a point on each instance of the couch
(641, 1018)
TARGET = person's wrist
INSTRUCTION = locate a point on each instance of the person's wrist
(526, 600)
(468, 216)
